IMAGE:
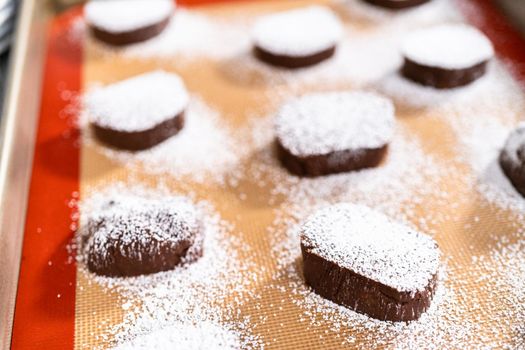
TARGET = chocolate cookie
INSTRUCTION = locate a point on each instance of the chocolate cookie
(124, 22)
(363, 260)
(297, 38)
(512, 159)
(140, 112)
(131, 236)
(446, 56)
(396, 4)
(328, 133)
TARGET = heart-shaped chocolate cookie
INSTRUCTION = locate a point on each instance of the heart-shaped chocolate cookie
(359, 258)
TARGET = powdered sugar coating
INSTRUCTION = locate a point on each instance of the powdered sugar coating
(373, 245)
(143, 224)
(117, 16)
(203, 336)
(298, 33)
(322, 123)
(448, 46)
(139, 103)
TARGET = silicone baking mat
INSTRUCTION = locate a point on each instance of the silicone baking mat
(60, 306)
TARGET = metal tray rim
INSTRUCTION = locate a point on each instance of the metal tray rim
(17, 139)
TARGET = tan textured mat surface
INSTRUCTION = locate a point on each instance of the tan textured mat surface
(446, 199)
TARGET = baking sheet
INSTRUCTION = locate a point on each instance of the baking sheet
(446, 196)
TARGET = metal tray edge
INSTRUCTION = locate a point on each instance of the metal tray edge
(17, 139)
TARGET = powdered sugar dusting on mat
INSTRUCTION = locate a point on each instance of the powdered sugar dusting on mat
(204, 150)
(371, 244)
(324, 123)
(139, 103)
(502, 270)
(414, 95)
(198, 296)
(400, 191)
(482, 124)
(358, 60)
(448, 46)
(407, 178)
(203, 336)
(189, 35)
(480, 147)
(299, 32)
(362, 57)
(119, 16)
(396, 187)
(455, 318)
(448, 323)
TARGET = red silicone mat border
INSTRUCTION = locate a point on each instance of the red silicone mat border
(44, 312)
(45, 306)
